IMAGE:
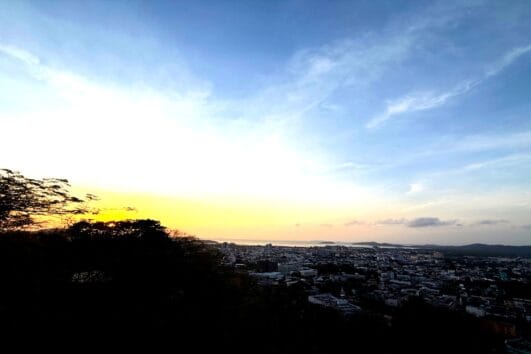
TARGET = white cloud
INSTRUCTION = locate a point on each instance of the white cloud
(313, 75)
(141, 139)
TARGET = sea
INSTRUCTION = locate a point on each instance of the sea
(287, 243)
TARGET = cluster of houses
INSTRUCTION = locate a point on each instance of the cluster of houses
(492, 288)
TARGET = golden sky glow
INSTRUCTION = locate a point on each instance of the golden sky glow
(248, 218)
(222, 217)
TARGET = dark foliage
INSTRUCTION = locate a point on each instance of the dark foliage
(130, 282)
(22, 199)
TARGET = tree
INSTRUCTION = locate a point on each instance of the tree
(24, 199)
(140, 229)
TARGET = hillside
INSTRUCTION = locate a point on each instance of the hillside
(128, 281)
(476, 249)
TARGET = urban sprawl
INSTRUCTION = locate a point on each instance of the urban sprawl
(356, 279)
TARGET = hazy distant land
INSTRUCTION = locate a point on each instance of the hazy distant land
(475, 249)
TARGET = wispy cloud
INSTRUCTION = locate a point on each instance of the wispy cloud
(19, 54)
(509, 160)
(490, 222)
(444, 175)
(425, 100)
(465, 145)
(391, 222)
(354, 223)
(418, 101)
(487, 142)
(507, 60)
(430, 222)
(475, 143)
(312, 75)
(168, 123)
(414, 223)
(184, 128)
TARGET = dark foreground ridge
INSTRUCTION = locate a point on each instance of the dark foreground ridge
(129, 281)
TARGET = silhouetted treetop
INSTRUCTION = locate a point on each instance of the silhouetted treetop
(22, 199)
(142, 229)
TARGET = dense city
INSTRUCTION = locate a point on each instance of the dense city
(379, 280)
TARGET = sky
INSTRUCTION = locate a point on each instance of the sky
(360, 120)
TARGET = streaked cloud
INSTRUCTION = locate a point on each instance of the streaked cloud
(391, 222)
(418, 101)
(425, 100)
(430, 222)
(313, 75)
(508, 59)
(19, 54)
(420, 222)
(492, 222)
(354, 223)
(512, 159)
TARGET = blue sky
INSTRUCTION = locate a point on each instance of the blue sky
(386, 114)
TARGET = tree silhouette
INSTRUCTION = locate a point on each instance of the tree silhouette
(22, 199)
(141, 229)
